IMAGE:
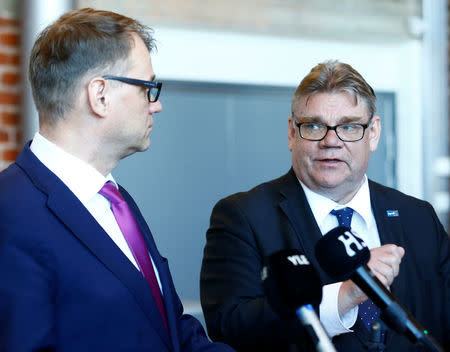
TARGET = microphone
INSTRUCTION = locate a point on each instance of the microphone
(342, 255)
(292, 286)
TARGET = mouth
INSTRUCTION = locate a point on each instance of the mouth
(150, 124)
(330, 161)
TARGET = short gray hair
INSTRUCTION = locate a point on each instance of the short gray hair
(335, 76)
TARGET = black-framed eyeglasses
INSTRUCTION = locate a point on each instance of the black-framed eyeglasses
(154, 88)
(346, 132)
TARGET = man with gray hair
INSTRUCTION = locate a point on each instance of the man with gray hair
(79, 268)
(332, 131)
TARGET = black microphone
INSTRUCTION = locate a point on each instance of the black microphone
(292, 286)
(342, 255)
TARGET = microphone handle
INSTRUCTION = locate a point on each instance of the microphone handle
(312, 325)
(392, 313)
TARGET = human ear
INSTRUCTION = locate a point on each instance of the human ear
(291, 133)
(374, 131)
(97, 96)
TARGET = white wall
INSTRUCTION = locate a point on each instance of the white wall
(36, 15)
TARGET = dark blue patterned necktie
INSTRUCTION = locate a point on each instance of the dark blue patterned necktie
(368, 311)
(344, 216)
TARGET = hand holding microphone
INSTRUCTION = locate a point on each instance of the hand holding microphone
(342, 255)
(385, 262)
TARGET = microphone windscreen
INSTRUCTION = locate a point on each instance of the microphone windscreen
(340, 252)
(290, 282)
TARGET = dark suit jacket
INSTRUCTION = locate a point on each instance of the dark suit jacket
(65, 285)
(247, 227)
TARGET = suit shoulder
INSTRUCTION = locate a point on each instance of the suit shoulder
(395, 197)
(13, 181)
(261, 195)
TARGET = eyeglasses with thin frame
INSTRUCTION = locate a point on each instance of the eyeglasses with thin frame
(346, 132)
(154, 88)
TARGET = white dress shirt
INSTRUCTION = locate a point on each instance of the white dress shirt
(85, 182)
(364, 225)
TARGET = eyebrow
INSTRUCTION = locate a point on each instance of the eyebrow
(343, 119)
(152, 78)
(356, 119)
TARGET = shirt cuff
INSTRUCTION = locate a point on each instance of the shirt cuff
(329, 313)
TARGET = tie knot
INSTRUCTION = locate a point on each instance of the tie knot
(344, 216)
(110, 192)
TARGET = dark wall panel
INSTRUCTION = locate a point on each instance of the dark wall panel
(209, 141)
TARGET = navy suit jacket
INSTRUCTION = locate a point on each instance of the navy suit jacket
(247, 227)
(66, 286)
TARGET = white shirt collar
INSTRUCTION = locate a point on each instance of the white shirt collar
(80, 177)
(321, 206)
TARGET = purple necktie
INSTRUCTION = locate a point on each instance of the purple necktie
(133, 236)
(368, 311)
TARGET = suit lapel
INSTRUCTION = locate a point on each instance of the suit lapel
(389, 223)
(390, 228)
(169, 304)
(71, 212)
(162, 267)
(296, 208)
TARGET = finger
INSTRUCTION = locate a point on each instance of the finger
(386, 272)
(400, 251)
(392, 249)
(388, 254)
(382, 278)
(389, 266)
(390, 260)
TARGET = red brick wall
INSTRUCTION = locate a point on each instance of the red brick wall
(10, 88)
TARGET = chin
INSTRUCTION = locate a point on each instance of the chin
(137, 148)
(145, 146)
(330, 180)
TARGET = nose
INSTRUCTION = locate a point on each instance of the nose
(155, 107)
(331, 139)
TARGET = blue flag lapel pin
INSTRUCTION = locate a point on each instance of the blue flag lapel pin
(392, 213)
